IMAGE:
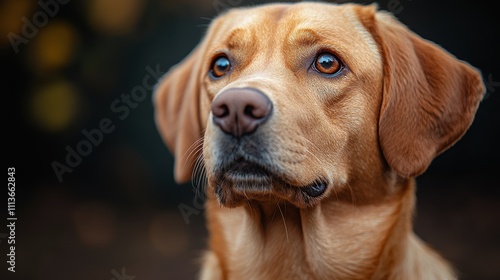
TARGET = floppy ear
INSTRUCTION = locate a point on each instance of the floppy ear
(177, 105)
(429, 97)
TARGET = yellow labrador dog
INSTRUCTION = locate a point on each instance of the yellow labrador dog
(312, 121)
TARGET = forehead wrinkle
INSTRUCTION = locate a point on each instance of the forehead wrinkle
(319, 35)
(232, 22)
(253, 37)
(333, 22)
(343, 27)
(240, 38)
(303, 37)
(336, 28)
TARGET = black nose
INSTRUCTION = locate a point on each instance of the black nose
(239, 111)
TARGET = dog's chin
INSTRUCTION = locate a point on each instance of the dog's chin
(245, 183)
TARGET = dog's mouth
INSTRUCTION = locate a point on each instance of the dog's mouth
(245, 181)
(243, 171)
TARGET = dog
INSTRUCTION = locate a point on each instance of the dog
(311, 122)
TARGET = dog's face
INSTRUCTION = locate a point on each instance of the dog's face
(302, 102)
(319, 80)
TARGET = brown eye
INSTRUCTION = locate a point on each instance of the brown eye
(220, 67)
(327, 63)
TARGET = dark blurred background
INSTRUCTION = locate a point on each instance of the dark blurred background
(65, 66)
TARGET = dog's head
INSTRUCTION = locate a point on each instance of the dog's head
(298, 102)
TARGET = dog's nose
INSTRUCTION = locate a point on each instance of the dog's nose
(239, 111)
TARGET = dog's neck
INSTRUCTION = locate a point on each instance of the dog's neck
(334, 240)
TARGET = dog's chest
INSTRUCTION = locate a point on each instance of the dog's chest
(290, 244)
(277, 254)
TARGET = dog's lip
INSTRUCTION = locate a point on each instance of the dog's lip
(246, 173)
(243, 167)
(315, 189)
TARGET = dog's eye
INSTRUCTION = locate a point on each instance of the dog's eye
(220, 66)
(327, 63)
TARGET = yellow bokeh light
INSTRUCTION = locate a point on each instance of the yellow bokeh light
(116, 17)
(54, 46)
(55, 106)
(11, 12)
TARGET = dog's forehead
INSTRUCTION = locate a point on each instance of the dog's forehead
(276, 18)
(270, 27)
(294, 23)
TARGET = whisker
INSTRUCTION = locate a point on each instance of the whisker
(274, 214)
(199, 179)
(193, 150)
(284, 222)
(251, 208)
(196, 169)
(207, 18)
(353, 195)
(315, 148)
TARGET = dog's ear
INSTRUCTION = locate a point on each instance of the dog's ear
(429, 97)
(177, 106)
